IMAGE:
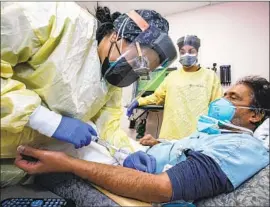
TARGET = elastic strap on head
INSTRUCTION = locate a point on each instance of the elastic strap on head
(185, 39)
(141, 23)
(139, 49)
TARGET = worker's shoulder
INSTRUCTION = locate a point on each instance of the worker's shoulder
(207, 71)
(173, 73)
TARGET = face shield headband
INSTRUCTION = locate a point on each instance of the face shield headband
(150, 49)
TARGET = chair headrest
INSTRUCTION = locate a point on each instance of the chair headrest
(262, 133)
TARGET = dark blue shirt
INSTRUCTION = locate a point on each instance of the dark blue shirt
(199, 176)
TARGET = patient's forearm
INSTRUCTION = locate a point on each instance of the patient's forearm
(124, 181)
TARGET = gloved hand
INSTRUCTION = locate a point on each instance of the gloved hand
(74, 131)
(132, 106)
(141, 161)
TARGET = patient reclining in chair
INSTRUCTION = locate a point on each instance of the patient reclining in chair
(218, 158)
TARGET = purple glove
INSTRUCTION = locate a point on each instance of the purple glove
(132, 106)
(74, 131)
(141, 161)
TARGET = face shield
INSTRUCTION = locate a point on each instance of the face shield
(150, 49)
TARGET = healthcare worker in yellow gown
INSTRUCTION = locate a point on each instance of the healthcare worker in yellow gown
(61, 68)
(185, 93)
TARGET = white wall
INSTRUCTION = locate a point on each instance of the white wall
(235, 33)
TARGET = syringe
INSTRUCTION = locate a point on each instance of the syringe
(120, 154)
(103, 143)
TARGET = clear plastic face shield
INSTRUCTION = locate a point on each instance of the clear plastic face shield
(150, 49)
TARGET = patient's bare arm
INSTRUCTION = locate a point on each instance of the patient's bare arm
(119, 180)
(125, 182)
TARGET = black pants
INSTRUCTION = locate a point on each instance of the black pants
(72, 187)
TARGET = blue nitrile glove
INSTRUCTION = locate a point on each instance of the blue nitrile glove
(141, 161)
(74, 131)
(132, 106)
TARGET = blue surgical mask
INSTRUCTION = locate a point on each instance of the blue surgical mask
(221, 109)
(188, 60)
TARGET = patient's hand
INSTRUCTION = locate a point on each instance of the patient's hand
(47, 161)
(148, 140)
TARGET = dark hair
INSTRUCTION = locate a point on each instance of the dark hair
(105, 24)
(261, 94)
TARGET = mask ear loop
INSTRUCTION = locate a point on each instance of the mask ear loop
(109, 52)
(117, 37)
(108, 56)
(115, 43)
(111, 48)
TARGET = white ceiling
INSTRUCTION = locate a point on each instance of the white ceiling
(164, 8)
